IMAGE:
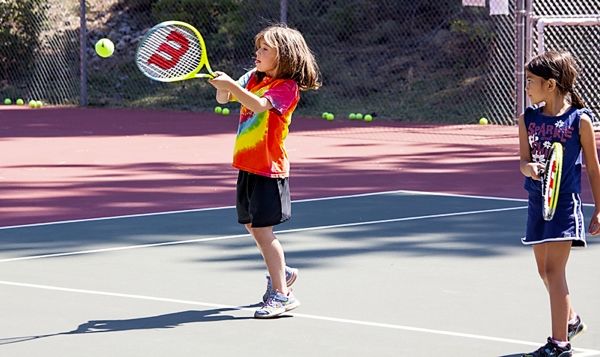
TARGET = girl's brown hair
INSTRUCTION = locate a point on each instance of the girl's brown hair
(561, 67)
(294, 59)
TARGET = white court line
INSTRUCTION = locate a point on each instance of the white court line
(230, 207)
(115, 217)
(423, 193)
(585, 351)
(294, 201)
(306, 229)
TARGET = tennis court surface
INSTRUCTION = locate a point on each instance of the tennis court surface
(117, 231)
(398, 273)
(118, 237)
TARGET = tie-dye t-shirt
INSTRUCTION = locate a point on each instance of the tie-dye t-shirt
(259, 145)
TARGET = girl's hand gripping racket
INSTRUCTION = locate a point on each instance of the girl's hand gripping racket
(551, 180)
(173, 51)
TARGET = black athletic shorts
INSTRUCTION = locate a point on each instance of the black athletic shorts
(262, 201)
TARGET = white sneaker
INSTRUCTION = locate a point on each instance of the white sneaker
(276, 305)
(291, 274)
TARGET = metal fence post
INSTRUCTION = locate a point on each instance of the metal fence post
(83, 95)
(283, 8)
(529, 19)
(521, 18)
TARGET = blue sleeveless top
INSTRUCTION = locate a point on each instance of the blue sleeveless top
(542, 131)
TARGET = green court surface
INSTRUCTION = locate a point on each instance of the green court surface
(388, 274)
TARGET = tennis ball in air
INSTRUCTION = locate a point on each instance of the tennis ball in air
(20, 101)
(105, 47)
(218, 110)
(330, 116)
(352, 116)
(483, 121)
(225, 111)
(368, 117)
(7, 101)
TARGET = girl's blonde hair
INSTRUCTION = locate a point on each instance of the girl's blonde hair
(561, 67)
(294, 59)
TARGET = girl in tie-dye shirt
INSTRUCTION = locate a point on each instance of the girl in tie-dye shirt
(259, 146)
(268, 94)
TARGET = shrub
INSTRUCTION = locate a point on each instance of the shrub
(22, 21)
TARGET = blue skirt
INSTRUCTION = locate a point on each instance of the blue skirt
(567, 224)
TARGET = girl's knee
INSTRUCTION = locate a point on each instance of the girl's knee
(263, 236)
(542, 269)
(543, 274)
(553, 274)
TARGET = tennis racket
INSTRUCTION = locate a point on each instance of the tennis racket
(551, 180)
(173, 51)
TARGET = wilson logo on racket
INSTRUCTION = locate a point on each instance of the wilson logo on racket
(551, 181)
(173, 51)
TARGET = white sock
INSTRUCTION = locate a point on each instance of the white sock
(573, 321)
(561, 344)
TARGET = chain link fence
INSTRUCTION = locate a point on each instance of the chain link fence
(572, 26)
(39, 50)
(418, 61)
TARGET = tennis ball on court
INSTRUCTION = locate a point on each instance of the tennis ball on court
(7, 101)
(324, 115)
(32, 103)
(225, 111)
(330, 116)
(359, 116)
(20, 101)
(39, 104)
(352, 116)
(105, 47)
(218, 110)
(368, 117)
(483, 121)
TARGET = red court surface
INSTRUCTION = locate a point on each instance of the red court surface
(71, 163)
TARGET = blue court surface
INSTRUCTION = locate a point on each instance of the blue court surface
(387, 274)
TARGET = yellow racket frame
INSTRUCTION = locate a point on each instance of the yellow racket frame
(203, 58)
(557, 150)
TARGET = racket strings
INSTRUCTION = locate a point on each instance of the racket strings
(169, 52)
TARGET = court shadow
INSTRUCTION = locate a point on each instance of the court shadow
(157, 322)
(165, 321)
